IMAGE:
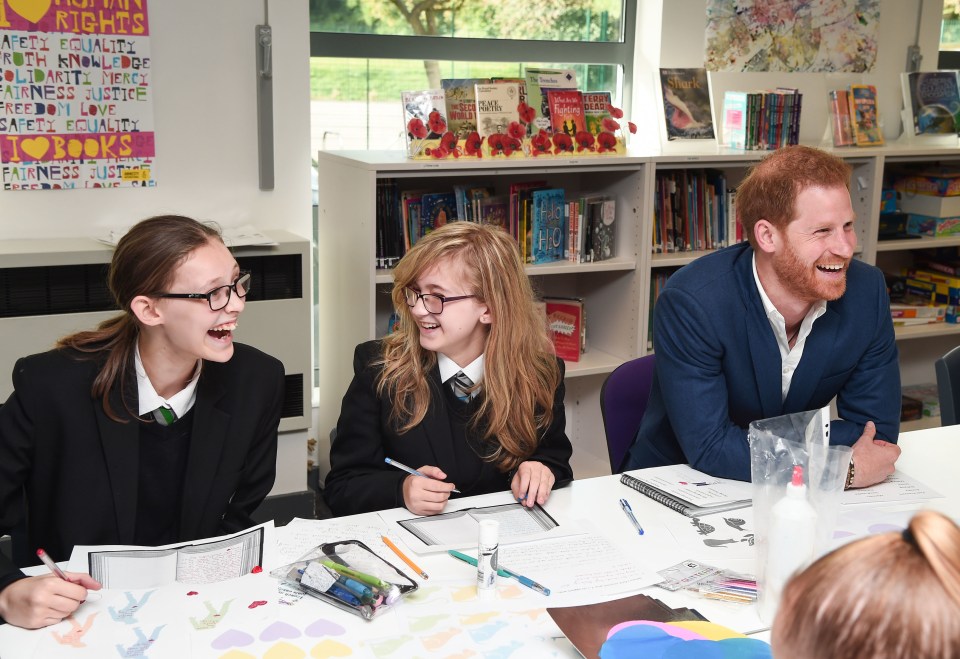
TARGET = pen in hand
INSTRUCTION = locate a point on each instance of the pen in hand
(50, 564)
(407, 469)
(625, 505)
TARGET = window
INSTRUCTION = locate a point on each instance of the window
(355, 99)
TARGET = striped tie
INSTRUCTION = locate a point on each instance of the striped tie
(164, 415)
(461, 385)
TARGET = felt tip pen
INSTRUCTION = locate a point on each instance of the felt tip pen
(629, 512)
(470, 560)
(343, 570)
(343, 595)
(528, 582)
(50, 564)
(403, 467)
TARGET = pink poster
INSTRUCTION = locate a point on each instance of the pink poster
(76, 102)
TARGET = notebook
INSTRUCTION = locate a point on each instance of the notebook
(688, 491)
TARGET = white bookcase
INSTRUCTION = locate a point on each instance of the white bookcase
(355, 295)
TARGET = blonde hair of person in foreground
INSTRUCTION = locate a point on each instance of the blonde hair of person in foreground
(892, 595)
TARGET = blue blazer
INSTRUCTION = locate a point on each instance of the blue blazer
(718, 366)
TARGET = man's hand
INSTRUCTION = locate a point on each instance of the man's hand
(532, 483)
(426, 496)
(873, 459)
(37, 602)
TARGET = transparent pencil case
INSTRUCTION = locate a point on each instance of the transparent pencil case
(350, 576)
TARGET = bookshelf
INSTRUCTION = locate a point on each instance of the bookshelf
(358, 294)
(617, 292)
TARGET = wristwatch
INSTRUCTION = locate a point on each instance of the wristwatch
(851, 472)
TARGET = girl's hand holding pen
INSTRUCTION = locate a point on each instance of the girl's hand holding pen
(37, 602)
(426, 496)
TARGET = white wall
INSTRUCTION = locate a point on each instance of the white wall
(205, 112)
(205, 120)
(683, 38)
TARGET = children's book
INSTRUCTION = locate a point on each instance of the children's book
(596, 108)
(538, 80)
(865, 116)
(461, 99)
(686, 104)
(549, 228)
(566, 327)
(932, 101)
(602, 214)
(436, 209)
(566, 111)
(840, 123)
(735, 119)
(495, 211)
(497, 104)
(419, 121)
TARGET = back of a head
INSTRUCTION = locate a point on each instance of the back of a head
(893, 595)
(769, 191)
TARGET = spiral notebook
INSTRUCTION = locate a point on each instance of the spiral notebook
(688, 491)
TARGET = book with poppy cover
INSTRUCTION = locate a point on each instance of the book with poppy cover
(460, 96)
(596, 108)
(865, 116)
(497, 107)
(424, 117)
(549, 226)
(566, 111)
(686, 104)
(566, 327)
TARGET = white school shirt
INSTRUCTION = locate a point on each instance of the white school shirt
(449, 368)
(149, 400)
(789, 359)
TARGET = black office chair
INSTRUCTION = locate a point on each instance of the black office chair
(948, 387)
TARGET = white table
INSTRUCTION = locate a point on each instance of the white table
(930, 456)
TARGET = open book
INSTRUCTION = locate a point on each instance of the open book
(688, 491)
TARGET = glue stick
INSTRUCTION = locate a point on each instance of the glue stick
(487, 547)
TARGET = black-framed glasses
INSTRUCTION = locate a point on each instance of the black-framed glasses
(219, 297)
(432, 302)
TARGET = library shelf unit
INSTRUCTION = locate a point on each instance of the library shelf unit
(358, 294)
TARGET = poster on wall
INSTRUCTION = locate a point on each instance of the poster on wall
(76, 104)
(792, 35)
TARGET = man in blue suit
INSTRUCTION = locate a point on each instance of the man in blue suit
(780, 325)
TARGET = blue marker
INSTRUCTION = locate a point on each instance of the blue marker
(343, 595)
(629, 512)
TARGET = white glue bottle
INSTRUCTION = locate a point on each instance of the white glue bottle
(792, 544)
(487, 548)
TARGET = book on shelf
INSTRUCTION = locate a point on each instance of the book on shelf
(566, 111)
(566, 326)
(548, 226)
(537, 80)
(931, 101)
(436, 209)
(688, 491)
(596, 108)
(841, 126)
(602, 214)
(423, 111)
(497, 107)
(865, 116)
(494, 211)
(460, 96)
(686, 104)
(735, 119)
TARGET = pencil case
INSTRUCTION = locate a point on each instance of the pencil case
(350, 576)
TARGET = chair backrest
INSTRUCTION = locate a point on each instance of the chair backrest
(948, 387)
(623, 400)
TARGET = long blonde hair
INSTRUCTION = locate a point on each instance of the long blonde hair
(520, 374)
(886, 596)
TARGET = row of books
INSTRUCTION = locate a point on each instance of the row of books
(548, 227)
(490, 106)
(693, 209)
(854, 117)
(762, 120)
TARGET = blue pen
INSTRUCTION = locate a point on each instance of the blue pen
(403, 467)
(629, 511)
(527, 581)
(343, 594)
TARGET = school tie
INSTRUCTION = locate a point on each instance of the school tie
(164, 415)
(461, 385)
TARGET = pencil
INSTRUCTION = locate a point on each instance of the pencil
(403, 557)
